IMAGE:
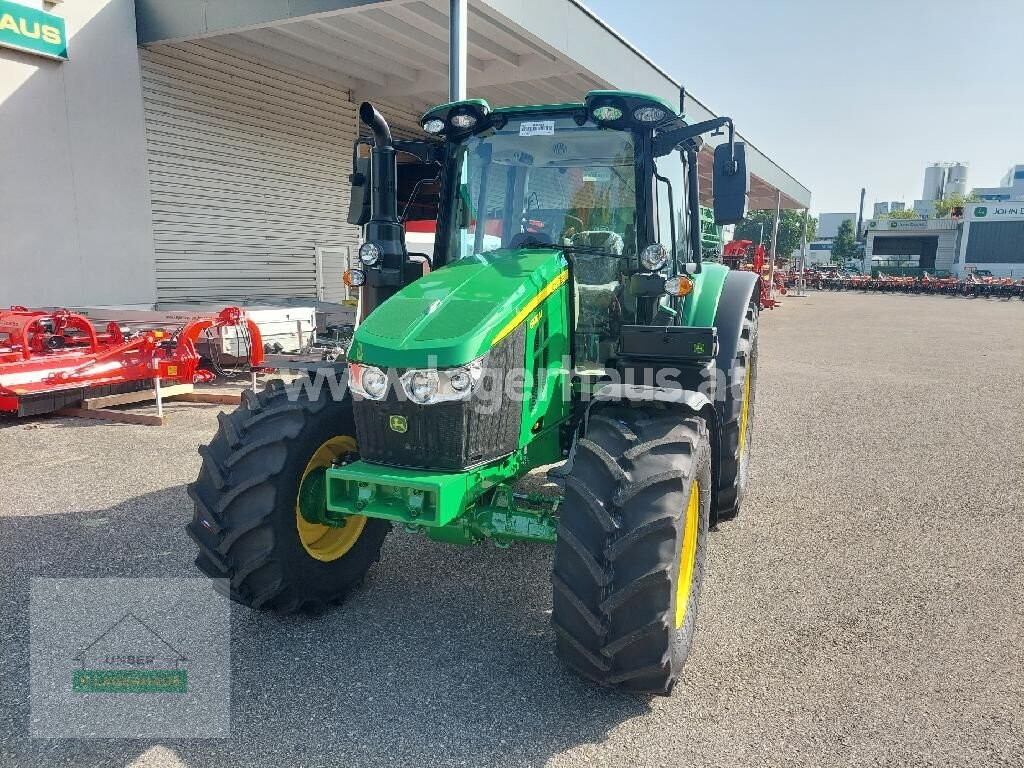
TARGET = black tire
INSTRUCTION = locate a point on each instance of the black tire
(245, 497)
(734, 457)
(617, 556)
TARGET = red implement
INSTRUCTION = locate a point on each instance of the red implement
(50, 359)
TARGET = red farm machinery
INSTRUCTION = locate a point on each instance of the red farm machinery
(52, 359)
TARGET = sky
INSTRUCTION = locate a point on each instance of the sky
(845, 94)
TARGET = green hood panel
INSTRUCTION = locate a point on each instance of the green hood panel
(456, 313)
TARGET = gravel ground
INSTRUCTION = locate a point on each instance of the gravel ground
(867, 608)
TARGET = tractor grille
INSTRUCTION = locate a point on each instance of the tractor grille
(448, 436)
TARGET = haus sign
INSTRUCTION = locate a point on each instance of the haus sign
(33, 31)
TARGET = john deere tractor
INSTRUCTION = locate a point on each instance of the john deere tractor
(564, 321)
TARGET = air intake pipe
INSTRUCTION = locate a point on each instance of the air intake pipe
(384, 229)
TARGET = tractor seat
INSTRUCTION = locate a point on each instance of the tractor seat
(594, 269)
(530, 239)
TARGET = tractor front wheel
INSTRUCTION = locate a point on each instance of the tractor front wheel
(737, 423)
(629, 557)
(246, 520)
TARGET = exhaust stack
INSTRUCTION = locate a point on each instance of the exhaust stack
(384, 228)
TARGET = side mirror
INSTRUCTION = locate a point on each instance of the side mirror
(731, 184)
(359, 202)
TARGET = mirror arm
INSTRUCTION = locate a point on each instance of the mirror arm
(668, 141)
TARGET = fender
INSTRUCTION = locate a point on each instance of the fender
(739, 289)
(685, 399)
(688, 398)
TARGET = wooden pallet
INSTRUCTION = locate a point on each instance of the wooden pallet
(96, 407)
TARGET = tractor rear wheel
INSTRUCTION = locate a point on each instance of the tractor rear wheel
(736, 434)
(246, 520)
(629, 557)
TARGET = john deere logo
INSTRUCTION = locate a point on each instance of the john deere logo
(893, 224)
(399, 424)
(698, 348)
(980, 212)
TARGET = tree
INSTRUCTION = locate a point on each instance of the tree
(844, 246)
(956, 200)
(906, 213)
(791, 224)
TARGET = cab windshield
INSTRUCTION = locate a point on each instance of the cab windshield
(545, 181)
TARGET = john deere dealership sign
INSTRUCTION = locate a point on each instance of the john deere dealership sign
(1000, 211)
(32, 31)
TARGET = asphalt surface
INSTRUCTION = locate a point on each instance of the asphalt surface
(866, 609)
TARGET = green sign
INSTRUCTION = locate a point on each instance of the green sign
(981, 212)
(32, 31)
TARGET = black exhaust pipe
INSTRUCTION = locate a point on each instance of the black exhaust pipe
(384, 229)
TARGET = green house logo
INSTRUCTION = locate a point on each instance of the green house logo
(399, 424)
(980, 212)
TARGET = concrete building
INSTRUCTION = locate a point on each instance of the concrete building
(881, 209)
(829, 223)
(1012, 187)
(820, 251)
(928, 244)
(200, 151)
(993, 239)
(941, 181)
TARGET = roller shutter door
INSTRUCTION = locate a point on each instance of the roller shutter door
(248, 177)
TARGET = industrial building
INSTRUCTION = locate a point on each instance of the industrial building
(986, 236)
(1012, 187)
(169, 152)
(820, 250)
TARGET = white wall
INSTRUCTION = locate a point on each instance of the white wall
(74, 191)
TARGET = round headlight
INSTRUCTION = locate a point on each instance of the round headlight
(654, 257)
(369, 253)
(375, 382)
(433, 125)
(460, 381)
(463, 121)
(607, 114)
(649, 114)
(423, 386)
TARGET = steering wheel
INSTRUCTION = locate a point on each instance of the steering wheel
(576, 230)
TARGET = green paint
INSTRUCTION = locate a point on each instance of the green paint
(506, 517)
(415, 496)
(701, 305)
(452, 315)
(32, 31)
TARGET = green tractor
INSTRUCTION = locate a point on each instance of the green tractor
(565, 321)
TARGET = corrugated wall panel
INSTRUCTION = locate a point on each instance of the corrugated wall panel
(248, 169)
(248, 175)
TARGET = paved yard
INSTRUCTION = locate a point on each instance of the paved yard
(867, 609)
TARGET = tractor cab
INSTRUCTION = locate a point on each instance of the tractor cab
(610, 184)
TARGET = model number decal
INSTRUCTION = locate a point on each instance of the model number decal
(539, 128)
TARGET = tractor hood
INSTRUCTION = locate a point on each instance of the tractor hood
(458, 312)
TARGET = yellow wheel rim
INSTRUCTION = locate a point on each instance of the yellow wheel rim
(325, 542)
(688, 554)
(745, 411)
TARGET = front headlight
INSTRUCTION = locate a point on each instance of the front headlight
(367, 381)
(654, 257)
(369, 253)
(430, 386)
